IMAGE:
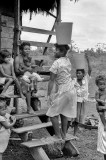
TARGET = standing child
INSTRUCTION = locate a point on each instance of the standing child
(64, 102)
(81, 85)
(6, 122)
(7, 72)
(100, 97)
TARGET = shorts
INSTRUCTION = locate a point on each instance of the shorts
(2, 80)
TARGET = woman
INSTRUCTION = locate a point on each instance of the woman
(22, 64)
(64, 102)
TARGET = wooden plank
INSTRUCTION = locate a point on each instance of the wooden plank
(46, 141)
(31, 128)
(38, 154)
(37, 113)
(39, 44)
(36, 30)
(87, 126)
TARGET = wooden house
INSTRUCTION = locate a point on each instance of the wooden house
(11, 21)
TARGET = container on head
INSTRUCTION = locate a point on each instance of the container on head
(63, 32)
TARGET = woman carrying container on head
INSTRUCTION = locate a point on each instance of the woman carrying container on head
(64, 102)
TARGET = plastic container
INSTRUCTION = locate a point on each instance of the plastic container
(80, 61)
(63, 32)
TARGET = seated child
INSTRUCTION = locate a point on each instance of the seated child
(30, 77)
(6, 122)
(100, 97)
(7, 75)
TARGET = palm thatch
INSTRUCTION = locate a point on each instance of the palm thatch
(32, 5)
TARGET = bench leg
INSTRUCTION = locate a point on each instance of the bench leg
(38, 153)
(15, 104)
(26, 136)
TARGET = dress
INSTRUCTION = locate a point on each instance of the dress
(4, 133)
(65, 100)
(82, 91)
(101, 143)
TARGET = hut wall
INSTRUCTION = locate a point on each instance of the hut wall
(7, 32)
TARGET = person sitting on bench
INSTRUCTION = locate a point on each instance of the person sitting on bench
(7, 74)
(22, 64)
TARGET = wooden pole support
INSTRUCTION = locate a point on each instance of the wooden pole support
(38, 153)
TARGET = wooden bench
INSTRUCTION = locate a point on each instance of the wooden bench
(35, 146)
(37, 113)
(31, 128)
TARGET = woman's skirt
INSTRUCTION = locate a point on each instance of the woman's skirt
(64, 103)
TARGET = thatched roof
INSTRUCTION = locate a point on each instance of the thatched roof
(32, 5)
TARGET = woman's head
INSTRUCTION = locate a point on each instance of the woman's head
(2, 107)
(61, 50)
(25, 48)
(5, 56)
(101, 82)
(80, 73)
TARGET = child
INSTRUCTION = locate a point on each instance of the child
(7, 73)
(64, 103)
(81, 85)
(6, 122)
(100, 97)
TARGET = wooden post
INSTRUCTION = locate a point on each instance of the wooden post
(0, 29)
(58, 10)
(16, 38)
(16, 27)
(48, 41)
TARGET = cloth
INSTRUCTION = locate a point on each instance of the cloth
(31, 76)
(65, 100)
(2, 80)
(4, 133)
(101, 142)
(82, 91)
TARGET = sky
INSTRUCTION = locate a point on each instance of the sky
(88, 17)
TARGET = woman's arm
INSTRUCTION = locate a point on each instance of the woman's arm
(3, 73)
(51, 83)
(88, 63)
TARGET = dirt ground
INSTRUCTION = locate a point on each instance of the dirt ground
(87, 143)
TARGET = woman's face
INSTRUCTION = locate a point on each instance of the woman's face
(26, 50)
(58, 53)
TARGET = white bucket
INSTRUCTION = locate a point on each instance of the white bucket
(80, 61)
(63, 32)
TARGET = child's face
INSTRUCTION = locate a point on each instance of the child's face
(79, 75)
(102, 85)
(2, 108)
(8, 58)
